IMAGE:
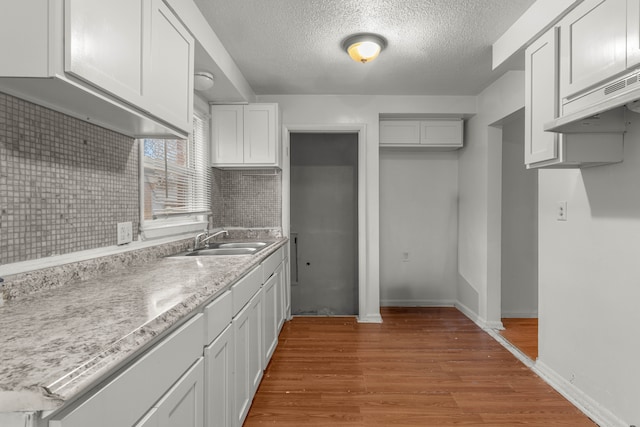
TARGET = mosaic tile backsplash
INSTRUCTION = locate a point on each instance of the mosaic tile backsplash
(64, 183)
(251, 198)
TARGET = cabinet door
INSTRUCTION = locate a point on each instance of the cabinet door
(241, 382)
(168, 77)
(541, 98)
(441, 133)
(227, 134)
(593, 44)
(633, 33)
(260, 134)
(183, 405)
(256, 342)
(280, 303)
(399, 132)
(104, 45)
(270, 322)
(219, 381)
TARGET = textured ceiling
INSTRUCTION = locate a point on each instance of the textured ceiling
(435, 47)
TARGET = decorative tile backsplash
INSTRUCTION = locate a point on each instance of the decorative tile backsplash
(252, 198)
(64, 183)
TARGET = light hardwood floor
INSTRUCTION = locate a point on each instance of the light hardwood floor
(420, 367)
(522, 333)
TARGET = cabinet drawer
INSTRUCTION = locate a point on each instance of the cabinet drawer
(132, 393)
(217, 316)
(245, 288)
(270, 264)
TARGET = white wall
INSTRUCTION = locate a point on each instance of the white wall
(480, 187)
(590, 281)
(519, 280)
(418, 216)
(324, 110)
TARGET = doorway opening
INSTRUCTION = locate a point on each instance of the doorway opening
(324, 223)
(519, 242)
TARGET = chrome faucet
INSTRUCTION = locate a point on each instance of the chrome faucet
(196, 242)
(217, 233)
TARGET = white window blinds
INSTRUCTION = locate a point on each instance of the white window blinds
(177, 177)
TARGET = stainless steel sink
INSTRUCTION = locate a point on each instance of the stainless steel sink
(256, 245)
(227, 248)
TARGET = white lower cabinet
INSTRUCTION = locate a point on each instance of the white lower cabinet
(271, 296)
(219, 360)
(142, 386)
(247, 357)
(183, 405)
(207, 372)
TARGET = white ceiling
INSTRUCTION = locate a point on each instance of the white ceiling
(435, 47)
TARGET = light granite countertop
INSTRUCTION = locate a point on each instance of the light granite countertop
(58, 342)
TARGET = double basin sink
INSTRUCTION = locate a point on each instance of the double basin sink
(227, 248)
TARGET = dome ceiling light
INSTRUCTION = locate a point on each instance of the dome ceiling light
(202, 80)
(364, 47)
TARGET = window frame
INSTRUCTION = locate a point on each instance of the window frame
(174, 224)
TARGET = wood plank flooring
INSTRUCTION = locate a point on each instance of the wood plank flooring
(421, 367)
(522, 333)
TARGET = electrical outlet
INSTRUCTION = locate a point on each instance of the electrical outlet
(561, 211)
(125, 232)
(405, 256)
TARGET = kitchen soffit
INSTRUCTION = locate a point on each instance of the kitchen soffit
(436, 47)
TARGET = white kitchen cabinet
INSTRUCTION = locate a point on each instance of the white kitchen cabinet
(399, 132)
(270, 319)
(286, 275)
(633, 33)
(280, 302)
(541, 98)
(438, 134)
(168, 78)
(118, 65)
(593, 45)
(550, 149)
(104, 44)
(247, 326)
(183, 405)
(245, 135)
(219, 379)
(148, 379)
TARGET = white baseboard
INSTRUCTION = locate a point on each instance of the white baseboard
(416, 303)
(580, 400)
(469, 313)
(372, 318)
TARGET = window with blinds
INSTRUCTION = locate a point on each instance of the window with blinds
(177, 176)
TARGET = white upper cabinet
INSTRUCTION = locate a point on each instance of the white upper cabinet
(633, 33)
(126, 65)
(550, 149)
(399, 132)
(103, 45)
(245, 135)
(440, 134)
(541, 98)
(168, 77)
(593, 44)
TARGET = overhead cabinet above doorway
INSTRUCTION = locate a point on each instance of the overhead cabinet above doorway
(440, 134)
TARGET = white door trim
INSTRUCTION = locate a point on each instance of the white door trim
(360, 129)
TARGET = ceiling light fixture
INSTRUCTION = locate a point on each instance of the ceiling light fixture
(364, 47)
(202, 80)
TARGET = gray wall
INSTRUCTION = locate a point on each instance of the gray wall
(519, 226)
(418, 216)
